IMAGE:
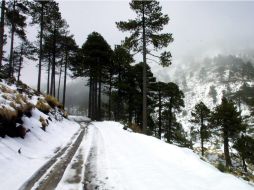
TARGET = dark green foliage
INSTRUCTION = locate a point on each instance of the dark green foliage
(200, 116)
(172, 103)
(95, 62)
(245, 146)
(145, 32)
(154, 22)
(228, 120)
(222, 167)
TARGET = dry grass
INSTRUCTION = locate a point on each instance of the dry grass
(7, 114)
(5, 89)
(43, 106)
(53, 102)
(135, 127)
(43, 123)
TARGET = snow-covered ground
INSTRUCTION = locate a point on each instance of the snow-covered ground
(118, 159)
(78, 118)
(35, 150)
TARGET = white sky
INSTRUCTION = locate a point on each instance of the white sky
(199, 28)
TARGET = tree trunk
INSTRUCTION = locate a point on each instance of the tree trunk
(48, 82)
(169, 123)
(90, 97)
(12, 42)
(95, 98)
(59, 83)
(130, 110)
(40, 56)
(65, 77)
(109, 97)
(52, 90)
(160, 114)
(144, 115)
(226, 149)
(2, 32)
(202, 135)
(244, 164)
(20, 62)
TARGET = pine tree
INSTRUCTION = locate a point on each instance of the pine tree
(174, 103)
(244, 144)
(201, 115)
(70, 50)
(145, 30)
(16, 15)
(96, 54)
(24, 50)
(159, 92)
(38, 10)
(2, 31)
(121, 62)
(228, 120)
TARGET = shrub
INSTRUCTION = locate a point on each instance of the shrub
(5, 89)
(53, 102)
(44, 124)
(7, 114)
(222, 167)
(135, 128)
(43, 106)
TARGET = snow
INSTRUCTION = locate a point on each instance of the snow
(36, 149)
(78, 118)
(125, 160)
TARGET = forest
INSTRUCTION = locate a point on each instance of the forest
(121, 88)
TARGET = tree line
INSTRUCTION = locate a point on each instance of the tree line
(119, 88)
(226, 122)
(53, 49)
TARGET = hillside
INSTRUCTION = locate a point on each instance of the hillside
(208, 81)
(33, 129)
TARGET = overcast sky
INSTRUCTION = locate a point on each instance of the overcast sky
(199, 28)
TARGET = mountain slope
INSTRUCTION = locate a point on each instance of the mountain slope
(31, 132)
(119, 159)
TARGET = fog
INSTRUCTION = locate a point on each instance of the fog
(200, 29)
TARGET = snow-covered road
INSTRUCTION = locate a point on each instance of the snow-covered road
(121, 160)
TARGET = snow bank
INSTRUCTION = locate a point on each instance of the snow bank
(78, 118)
(134, 161)
(36, 149)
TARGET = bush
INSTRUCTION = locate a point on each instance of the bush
(53, 102)
(135, 128)
(7, 114)
(222, 167)
(43, 106)
(44, 124)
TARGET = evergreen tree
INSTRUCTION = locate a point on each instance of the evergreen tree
(38, 10)
(159, 90)
(16, 20)
(2, 31)
(70, 49)
(24, 50)
(121, 62)
(244, 145)
(228, 120)
(174, 104)
(96, 55)
(145, 30)
(201, 115)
